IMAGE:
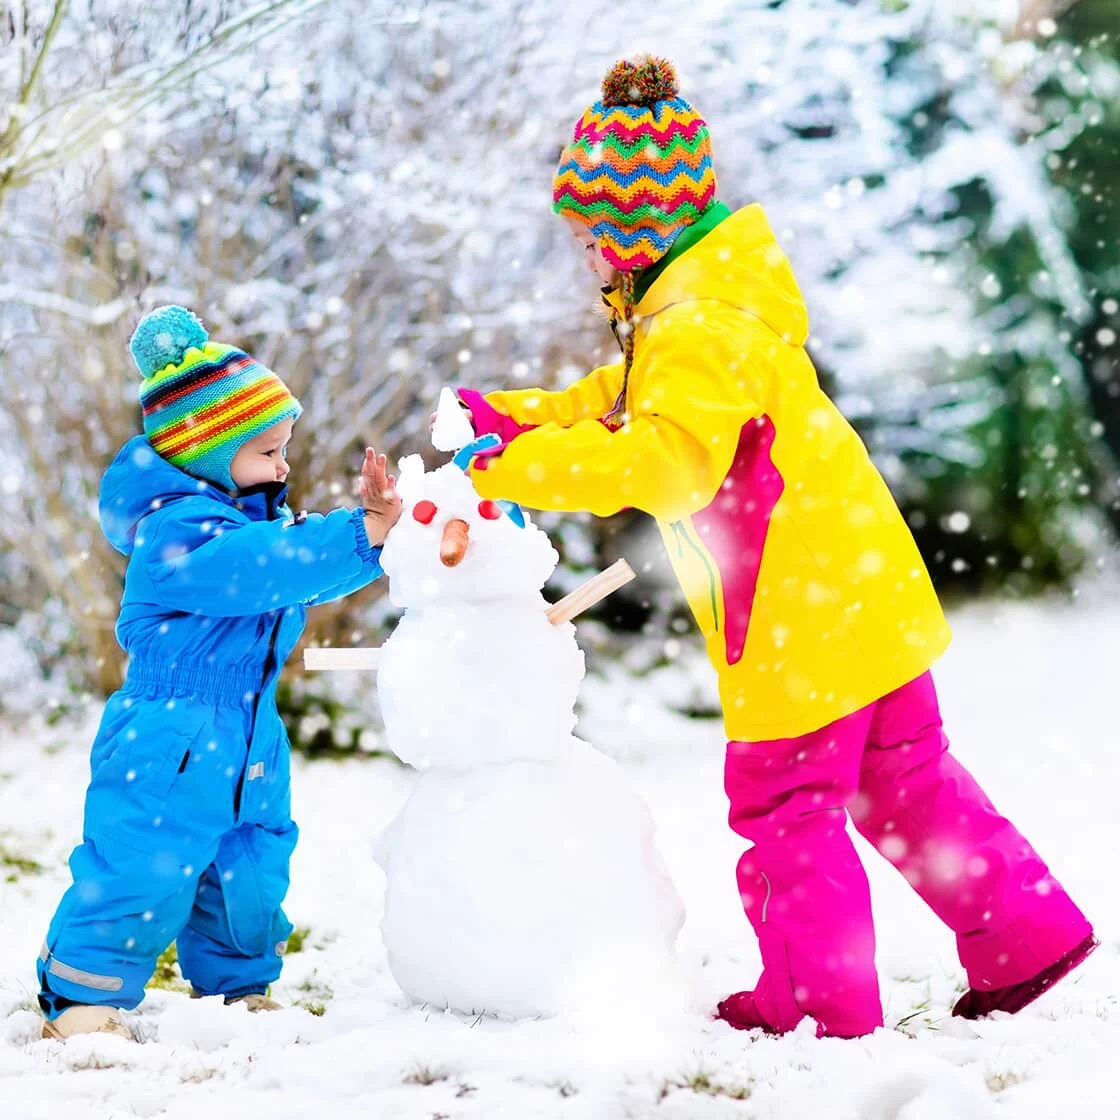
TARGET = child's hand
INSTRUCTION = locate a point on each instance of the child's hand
(380, 500)
(487, 420)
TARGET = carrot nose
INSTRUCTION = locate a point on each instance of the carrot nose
(453, 543)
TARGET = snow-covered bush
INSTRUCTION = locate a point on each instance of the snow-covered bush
(361, 198)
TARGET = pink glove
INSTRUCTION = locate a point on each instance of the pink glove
(485, 419)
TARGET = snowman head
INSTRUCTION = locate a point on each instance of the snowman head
(450, 544)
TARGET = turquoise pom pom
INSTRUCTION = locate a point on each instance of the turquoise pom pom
(163, 336)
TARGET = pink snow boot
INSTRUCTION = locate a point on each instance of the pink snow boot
(741, 1012)
(1014, 997)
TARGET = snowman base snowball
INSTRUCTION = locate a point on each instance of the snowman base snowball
(525, 889)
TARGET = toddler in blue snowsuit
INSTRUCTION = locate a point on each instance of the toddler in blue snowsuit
(187, 831)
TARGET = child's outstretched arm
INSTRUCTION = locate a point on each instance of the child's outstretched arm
(697, 393)
(586, 399)
(204, 560)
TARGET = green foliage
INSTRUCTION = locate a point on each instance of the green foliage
(167, 976)
(704, 1084)
(1007, 517)
(316, 994)
(997, 460)
(17, 863)
(1078, 113)
(296, 939)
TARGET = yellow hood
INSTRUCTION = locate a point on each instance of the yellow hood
(739, 263)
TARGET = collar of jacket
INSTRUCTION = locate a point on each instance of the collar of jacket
(689, 236)
(699, 229)
(737, 262)
(261, 502)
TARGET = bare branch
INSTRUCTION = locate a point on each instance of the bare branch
(18, 111)
(131, 94)
(94, 316)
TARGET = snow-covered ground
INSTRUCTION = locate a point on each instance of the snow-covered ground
(1030, 698)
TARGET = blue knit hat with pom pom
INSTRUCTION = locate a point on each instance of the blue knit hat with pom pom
(202, 400)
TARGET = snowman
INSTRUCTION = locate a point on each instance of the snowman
(522, 878)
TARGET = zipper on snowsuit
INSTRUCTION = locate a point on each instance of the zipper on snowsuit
(269, 664)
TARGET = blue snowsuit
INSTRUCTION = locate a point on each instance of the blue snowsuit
(187, 831)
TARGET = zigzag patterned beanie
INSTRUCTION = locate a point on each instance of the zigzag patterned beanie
(202, 400)
(638, 169)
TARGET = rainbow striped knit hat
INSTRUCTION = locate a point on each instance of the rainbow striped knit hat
(639, 167)
(202, 400)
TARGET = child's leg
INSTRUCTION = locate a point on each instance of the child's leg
(124, 907)
(802, 884)
(926, 814)
(235, 938)
(158, 803)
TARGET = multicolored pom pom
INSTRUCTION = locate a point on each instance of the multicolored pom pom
(642, 81)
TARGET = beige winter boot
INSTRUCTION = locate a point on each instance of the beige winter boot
(254, 1001)
(87, 1019)
(257, 1002)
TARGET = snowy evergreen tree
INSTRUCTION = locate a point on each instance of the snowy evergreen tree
(1075, 112)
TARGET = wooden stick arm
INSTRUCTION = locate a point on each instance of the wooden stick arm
(590, 593)
(341, 658)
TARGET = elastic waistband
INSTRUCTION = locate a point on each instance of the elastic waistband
(225, 684)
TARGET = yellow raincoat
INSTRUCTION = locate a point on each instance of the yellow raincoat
(798, 567)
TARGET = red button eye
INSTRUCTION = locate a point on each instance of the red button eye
(424, 512)
(490, 510)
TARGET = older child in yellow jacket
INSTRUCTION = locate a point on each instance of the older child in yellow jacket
(818, 613)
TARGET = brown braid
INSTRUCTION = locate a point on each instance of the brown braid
(618, 414)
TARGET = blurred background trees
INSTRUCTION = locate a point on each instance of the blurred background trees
(1078, 104)
(358, 193)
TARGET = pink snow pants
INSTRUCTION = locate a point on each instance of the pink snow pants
(806, 893)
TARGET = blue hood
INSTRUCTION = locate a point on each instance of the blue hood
(217, 583)
(139, 481)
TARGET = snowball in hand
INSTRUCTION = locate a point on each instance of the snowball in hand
(452, 428)
(522, 876)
